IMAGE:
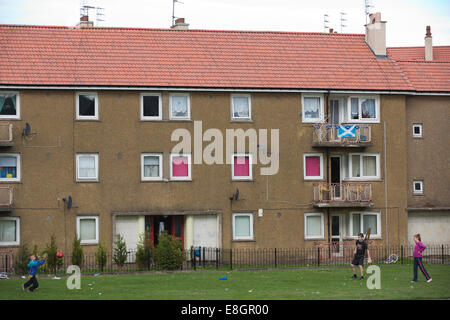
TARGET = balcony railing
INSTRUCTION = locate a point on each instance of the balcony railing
(336, 135)
(6, 198)
(343, 195)
(6, 136)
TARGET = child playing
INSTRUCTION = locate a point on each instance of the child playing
(418, 249)
(358, 259)
(34, 266)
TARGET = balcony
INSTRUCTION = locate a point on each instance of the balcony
(6, 198)
(6, 136)
(335, 135)
(341, 195)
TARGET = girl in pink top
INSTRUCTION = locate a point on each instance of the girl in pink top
(418, 258)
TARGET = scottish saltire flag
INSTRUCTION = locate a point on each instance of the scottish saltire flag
(347, 131)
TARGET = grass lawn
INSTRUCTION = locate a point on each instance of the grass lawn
(250, 285)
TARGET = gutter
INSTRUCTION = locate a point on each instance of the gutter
(428, 209)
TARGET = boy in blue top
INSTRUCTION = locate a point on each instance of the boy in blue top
(34, 266)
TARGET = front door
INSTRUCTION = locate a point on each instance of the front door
(336, 234)
(155, 225)
(334, 111)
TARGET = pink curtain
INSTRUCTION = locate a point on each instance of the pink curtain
(180, 166)
(312, 166)
(241, 167)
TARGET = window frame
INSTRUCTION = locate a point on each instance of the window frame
(313, 154)
(243, 238)
(363, 178)
(77, 107)
(9, 116)
(151, 118)
(362, 214)
(160, 177)
(250, 167)
(88, 242)
(321, 118)
(96, 179)
(417, 125)
(418, 192)
(188, 117)
(18, 167)
(322, 226)
(12, 243)
(189, 177)
(241, 95)
(360, 119)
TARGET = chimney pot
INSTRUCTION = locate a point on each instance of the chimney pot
(428, 34)
(180, 24)
(331, 30)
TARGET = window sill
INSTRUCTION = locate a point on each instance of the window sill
(87, 181)
(241, 120)
(418, 194)
(243, 240)
(10, 245)
(242, 180)
(87, 120)
(10, 119)
(89, 244)
(362, 180)
(10, 182)
(315, 239)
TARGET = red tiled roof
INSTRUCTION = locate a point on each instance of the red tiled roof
(440, 53)
(43, 55)
(427, 76)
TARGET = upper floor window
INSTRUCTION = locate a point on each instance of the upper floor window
(313, 166)
(180, 167)
(151, 166)
(241, 108)
(87, 106)
(241, 168)
(312, 108)
(364, 166)
(151, 108)
(9, 231)
(364, 109)
(417, 187)
(417, 130)
(87, 167)
(9, 105)
(180, 106)
(9, 167)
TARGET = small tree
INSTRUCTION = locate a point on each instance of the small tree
(23, 258)
(101, 257)
(143, 253)
(51, 251)
(77, 252)
(120, 252)
(168, 254)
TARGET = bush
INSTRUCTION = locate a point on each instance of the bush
(77, 252)
(51, 250)
(143, 254)
(101, 257)
(168, 254)
(22, 260)
(120, 252)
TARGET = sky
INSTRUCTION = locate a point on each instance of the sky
(406, 19)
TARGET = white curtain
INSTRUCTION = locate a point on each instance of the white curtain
(368, 108)
(356, 220)
(241, 107)
(369, 166)
(311, 108)
(87, 229)
(8, 161)
(7, 230)
(87, 166)
(356, 171)
(242, 226)
(179, 106)
(313, 226)
(151, 166)
(354, 108)
(370, 221)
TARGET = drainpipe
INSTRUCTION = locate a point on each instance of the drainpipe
(386, 188)
(326, 98)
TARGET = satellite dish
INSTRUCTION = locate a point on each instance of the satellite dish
(236, 194)
(69, 202)
(27, 130)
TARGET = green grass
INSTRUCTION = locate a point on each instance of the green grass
(253, 285)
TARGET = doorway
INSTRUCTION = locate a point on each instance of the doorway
(337, 227)
(155, 225)
(336, 179)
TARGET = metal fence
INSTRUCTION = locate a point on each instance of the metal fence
(202, 258)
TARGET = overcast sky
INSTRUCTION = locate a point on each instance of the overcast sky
(406, 19)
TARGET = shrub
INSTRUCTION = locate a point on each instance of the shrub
(143, 254)
(101, 257)
(120, 252)
(51, 251)
(168, 254)
(77, 252)
(22, 260)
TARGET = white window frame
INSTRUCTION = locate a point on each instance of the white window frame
(188, 117)
(12, 243)
(315, 154)
(77, 98)
(250, 167)
(189, 177)
(245, 214)
(248, 96)
(321, 108)
(360, 119)
(322, 227)
(363, 178)
(18, 167)
(362, 214)
(10, 116)
(150, 118)
(160, 156)
(87, 242)
(417, 135)
(78, 179)
(421, 187)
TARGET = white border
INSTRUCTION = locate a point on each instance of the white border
(360, 119)
(160, 156)
(171, 95)
(12, 243)
(322, 227)
(10, 116)
(77, 105)
(244, 214)
(242, 95)
(95, 155)
(189, 177)
(363, 213)
(321, 108)
(150, 118)
(250, 168)
(419, 125)
(315, 154)
(365, 178)
(96, 229)
(18, 167)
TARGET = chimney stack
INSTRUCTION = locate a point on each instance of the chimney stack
(376, 34)
(84, 22)
(180, 24)
(428, 45)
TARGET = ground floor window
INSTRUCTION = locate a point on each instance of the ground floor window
(9, 231)
(360, 222)
(87, 229)
(242, 226)
(314, 225)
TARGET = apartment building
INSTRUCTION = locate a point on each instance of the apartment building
(89, 116)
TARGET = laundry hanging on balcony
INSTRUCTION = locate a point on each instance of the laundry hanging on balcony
(347, 131)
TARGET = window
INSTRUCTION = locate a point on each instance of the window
(241, 107)
(9, 167)
(151, 106)
(87, 167)
(360, 222)
(313, 166)
(241, 168)
(9, 105)
(242, 226)
(151, 164)
(9, 231)
(87, 106)
(87, 229)
(180, 167)
(179, 107)
(364, 109)
(314, 226)
(418, 187)
(417, 130)
(364, 166)
(312, 108)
